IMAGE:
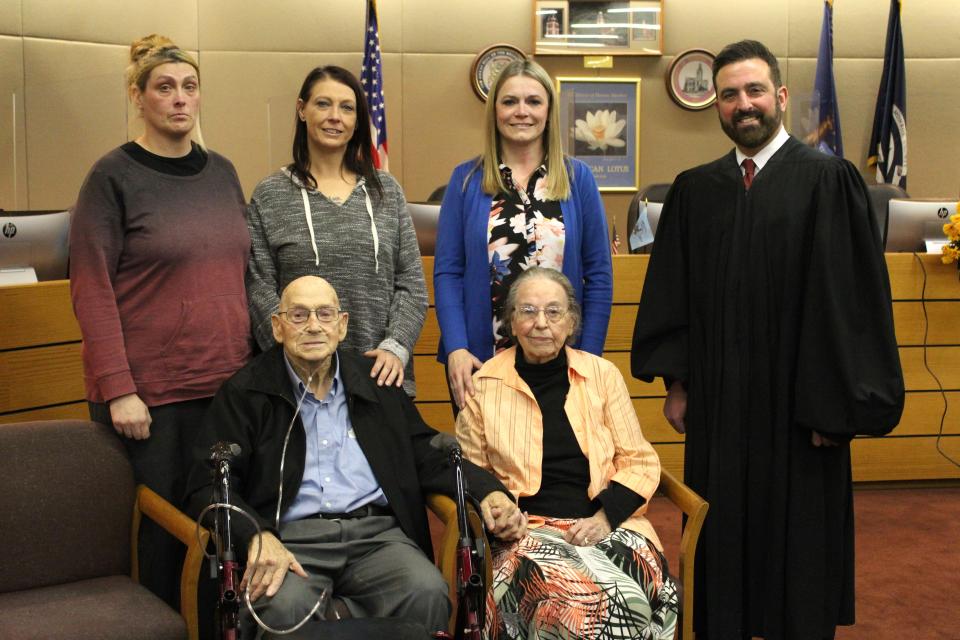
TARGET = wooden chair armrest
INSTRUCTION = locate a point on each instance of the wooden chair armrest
(695, 508)
(174, 521)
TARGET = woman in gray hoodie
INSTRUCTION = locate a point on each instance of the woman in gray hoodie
(331, 213)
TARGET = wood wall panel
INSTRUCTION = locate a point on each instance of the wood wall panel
(70, 411)
(438, 415)
(39, 382)
(922, 412)
(629, 271)
(429, 336)
(939, 323)
(37, 314)
(893, 459)
(431, 378)
(908, 272)
(31, 378)
(942, 361)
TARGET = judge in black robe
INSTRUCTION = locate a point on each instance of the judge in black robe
(771, 306)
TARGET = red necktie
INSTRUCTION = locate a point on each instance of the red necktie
(749, 169)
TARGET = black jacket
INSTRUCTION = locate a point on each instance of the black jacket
(253, 409)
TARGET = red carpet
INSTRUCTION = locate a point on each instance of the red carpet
(908, 562)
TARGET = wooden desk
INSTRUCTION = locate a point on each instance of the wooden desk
(41, 372)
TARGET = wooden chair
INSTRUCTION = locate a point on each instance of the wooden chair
(70, 541)
(695, 508)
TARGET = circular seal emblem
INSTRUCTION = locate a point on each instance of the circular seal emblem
(488, 64)
(942, 213)
(9, 230)
(690, 80)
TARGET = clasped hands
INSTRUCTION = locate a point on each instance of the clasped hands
(588, 531)
(502, 518)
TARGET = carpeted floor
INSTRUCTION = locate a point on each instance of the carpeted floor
(908, 562)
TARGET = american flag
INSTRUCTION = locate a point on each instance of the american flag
(615, 243)
(371, 77)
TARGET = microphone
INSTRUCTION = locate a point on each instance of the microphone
(446, 443)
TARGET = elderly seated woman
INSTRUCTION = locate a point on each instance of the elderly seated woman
(557, 427)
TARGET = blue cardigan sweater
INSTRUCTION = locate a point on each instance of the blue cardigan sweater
(461, 271)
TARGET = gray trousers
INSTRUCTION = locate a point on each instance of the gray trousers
(368, 563)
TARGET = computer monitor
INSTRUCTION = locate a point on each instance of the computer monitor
(425, 216)
(913, 221)
(34, 240)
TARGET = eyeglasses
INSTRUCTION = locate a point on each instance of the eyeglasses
(529, 313)
(301, 315)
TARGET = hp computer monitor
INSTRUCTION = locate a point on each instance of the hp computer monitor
(914, 221)
(34, 240)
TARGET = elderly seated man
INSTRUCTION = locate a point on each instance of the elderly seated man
(334, 468)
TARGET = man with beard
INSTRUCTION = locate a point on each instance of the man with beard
(766, 310)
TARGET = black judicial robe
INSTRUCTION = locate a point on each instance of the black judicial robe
(773, 308)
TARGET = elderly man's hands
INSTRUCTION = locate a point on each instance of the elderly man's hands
(502, 517)
(588, 531)
(266, 573)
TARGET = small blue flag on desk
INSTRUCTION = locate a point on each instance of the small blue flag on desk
(888, 142)
(371, 77)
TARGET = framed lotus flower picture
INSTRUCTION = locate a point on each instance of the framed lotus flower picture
(600, 121)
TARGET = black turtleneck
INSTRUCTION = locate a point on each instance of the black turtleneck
(565, 469)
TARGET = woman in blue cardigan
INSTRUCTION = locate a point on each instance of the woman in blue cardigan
(520, 204)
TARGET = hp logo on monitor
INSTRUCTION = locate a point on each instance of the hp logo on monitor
(9, 230)
(942, 213)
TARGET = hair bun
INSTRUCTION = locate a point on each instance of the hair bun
(140, 48)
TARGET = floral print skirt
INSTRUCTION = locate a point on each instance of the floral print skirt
(545, 588)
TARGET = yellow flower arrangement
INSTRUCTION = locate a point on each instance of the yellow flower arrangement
(951, 250)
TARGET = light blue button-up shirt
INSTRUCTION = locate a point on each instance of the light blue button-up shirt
(336, 475)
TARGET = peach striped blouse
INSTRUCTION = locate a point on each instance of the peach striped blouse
(501, 430)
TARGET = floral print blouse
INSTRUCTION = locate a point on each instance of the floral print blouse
(524, 230)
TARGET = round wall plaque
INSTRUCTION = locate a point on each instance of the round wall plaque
(488, 64)
(690, 79)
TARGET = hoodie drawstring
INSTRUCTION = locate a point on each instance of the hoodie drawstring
(373, 228)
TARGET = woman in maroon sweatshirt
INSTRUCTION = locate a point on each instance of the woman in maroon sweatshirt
(158, 251)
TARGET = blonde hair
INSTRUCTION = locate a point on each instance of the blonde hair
(558, 182)
(148, 53)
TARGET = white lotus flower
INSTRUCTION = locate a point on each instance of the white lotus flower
(600, 130)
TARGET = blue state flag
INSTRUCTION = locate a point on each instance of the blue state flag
(826, 137)
(888, 142)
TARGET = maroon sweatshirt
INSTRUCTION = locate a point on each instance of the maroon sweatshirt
(156, 276)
